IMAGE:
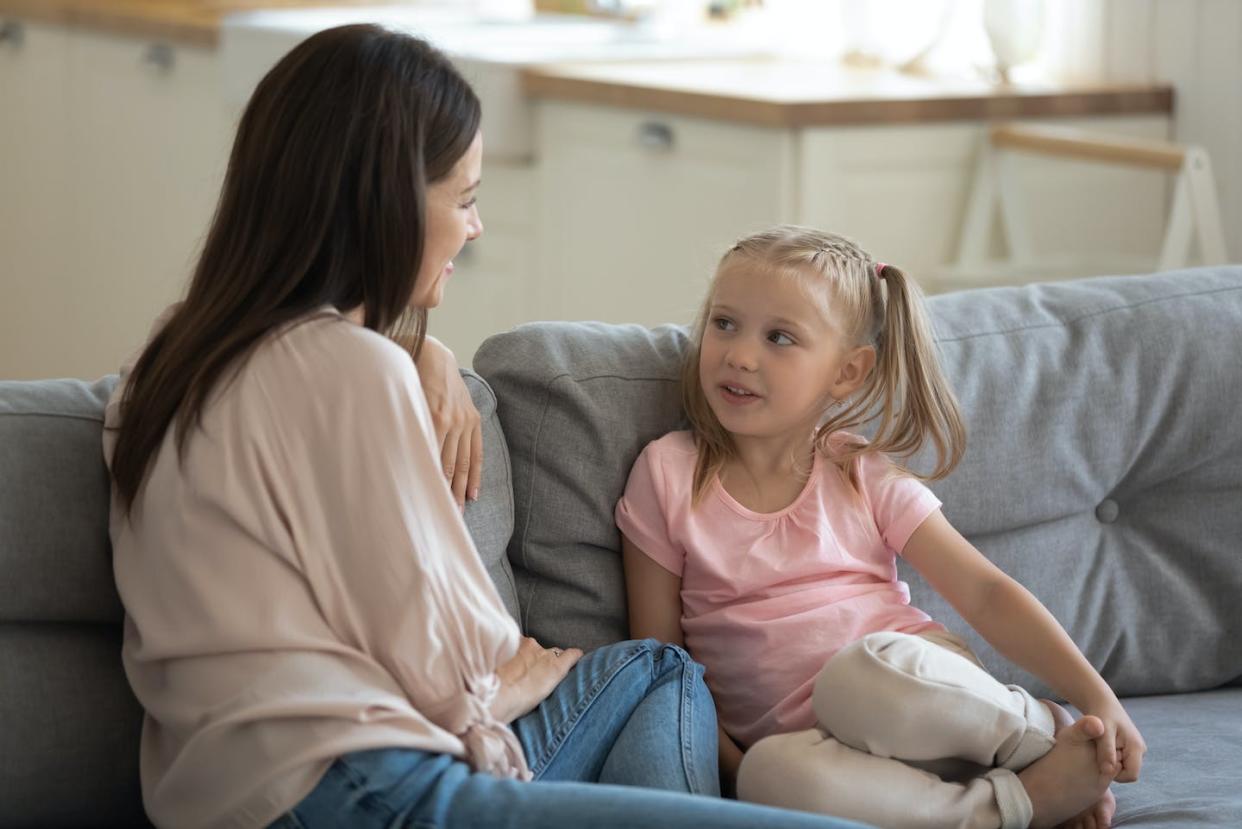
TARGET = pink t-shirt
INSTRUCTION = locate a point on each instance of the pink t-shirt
(767, 598)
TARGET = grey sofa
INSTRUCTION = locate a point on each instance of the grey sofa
(1104, 471)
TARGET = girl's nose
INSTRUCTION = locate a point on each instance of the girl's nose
(475, 228)
(741, 358)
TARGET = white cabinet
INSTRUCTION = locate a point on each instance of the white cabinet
(112, 166)
(901, 192)
(636, 208)
(35, 185)
(149, 145)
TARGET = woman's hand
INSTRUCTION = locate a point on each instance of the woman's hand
(1122, 747)
(456, 420)
(528, 678)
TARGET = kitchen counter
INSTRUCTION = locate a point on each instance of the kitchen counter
(193, 22)
(798, 93)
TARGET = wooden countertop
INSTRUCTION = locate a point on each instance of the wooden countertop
(194, 22)
(767, 92)
(800, 93)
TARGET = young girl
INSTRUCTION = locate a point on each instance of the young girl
(764, 539)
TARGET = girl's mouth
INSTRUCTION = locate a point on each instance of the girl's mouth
(737, 395)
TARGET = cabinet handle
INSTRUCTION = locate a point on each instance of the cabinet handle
(12, 33)
(160, 56)
(656, 135)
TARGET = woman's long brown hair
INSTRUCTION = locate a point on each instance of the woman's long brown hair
(323, 202)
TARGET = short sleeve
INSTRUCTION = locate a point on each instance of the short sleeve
(899, 502)
(642, 512)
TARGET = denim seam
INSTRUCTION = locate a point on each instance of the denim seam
(687, 718)
(571, 722)
(292, 817)
(356, 781)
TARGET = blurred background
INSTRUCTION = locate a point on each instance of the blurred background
(628, 142)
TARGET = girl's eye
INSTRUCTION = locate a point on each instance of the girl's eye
(780, 338)
(470, 203)
(723, 323)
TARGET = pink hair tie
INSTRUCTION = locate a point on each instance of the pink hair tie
(879, 269)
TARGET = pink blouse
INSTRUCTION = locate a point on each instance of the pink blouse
(301, 585)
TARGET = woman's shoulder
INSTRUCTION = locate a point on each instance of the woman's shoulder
(321, 373)
(324, 351)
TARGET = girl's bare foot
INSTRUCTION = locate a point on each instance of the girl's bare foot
(1099, 815)
(1067, 780)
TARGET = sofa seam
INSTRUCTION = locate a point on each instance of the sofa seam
(1086, 316)
(606, 376)
(511, 509)
(525, 609)
(62, 415)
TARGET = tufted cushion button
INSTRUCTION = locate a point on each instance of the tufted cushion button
(1107, 511)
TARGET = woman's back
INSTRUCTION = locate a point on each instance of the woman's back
(270, 627)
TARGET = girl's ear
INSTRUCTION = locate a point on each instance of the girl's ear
(854, 371)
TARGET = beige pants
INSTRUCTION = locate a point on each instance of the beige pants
(913, 734)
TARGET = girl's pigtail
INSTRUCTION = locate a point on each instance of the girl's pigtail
(909, 384)
(907, 395)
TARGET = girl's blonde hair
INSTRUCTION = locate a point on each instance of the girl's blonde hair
(906, 394)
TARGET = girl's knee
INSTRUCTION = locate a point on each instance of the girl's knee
(858, 670)
(843, 677)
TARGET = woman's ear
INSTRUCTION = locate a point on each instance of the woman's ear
(854, 371)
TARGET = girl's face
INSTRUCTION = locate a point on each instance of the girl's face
(452, 220)
(772, 359)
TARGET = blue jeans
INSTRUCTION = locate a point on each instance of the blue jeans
(635, 717)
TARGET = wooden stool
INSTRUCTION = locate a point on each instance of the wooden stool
(1194, 209)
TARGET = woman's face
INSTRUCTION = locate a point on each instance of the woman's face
(452, 220)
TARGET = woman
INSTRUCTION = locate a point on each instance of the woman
(308, 626)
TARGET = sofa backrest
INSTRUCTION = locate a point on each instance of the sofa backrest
(69, 746)
(1103, 470)
(70, 733)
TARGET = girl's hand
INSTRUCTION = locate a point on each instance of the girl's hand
(1121, 749)
(456, 420)
(528, 678)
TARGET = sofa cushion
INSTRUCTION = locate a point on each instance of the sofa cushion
(490, 519)
(1104, 466)
(54, 497)
(1190, 773)
(577, 402)
(69, 745)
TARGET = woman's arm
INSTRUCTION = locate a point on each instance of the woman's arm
(1015, 623)
(653, 597)
(457, 423)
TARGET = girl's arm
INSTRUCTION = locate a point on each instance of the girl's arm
(654, 602)
(1015, 623)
